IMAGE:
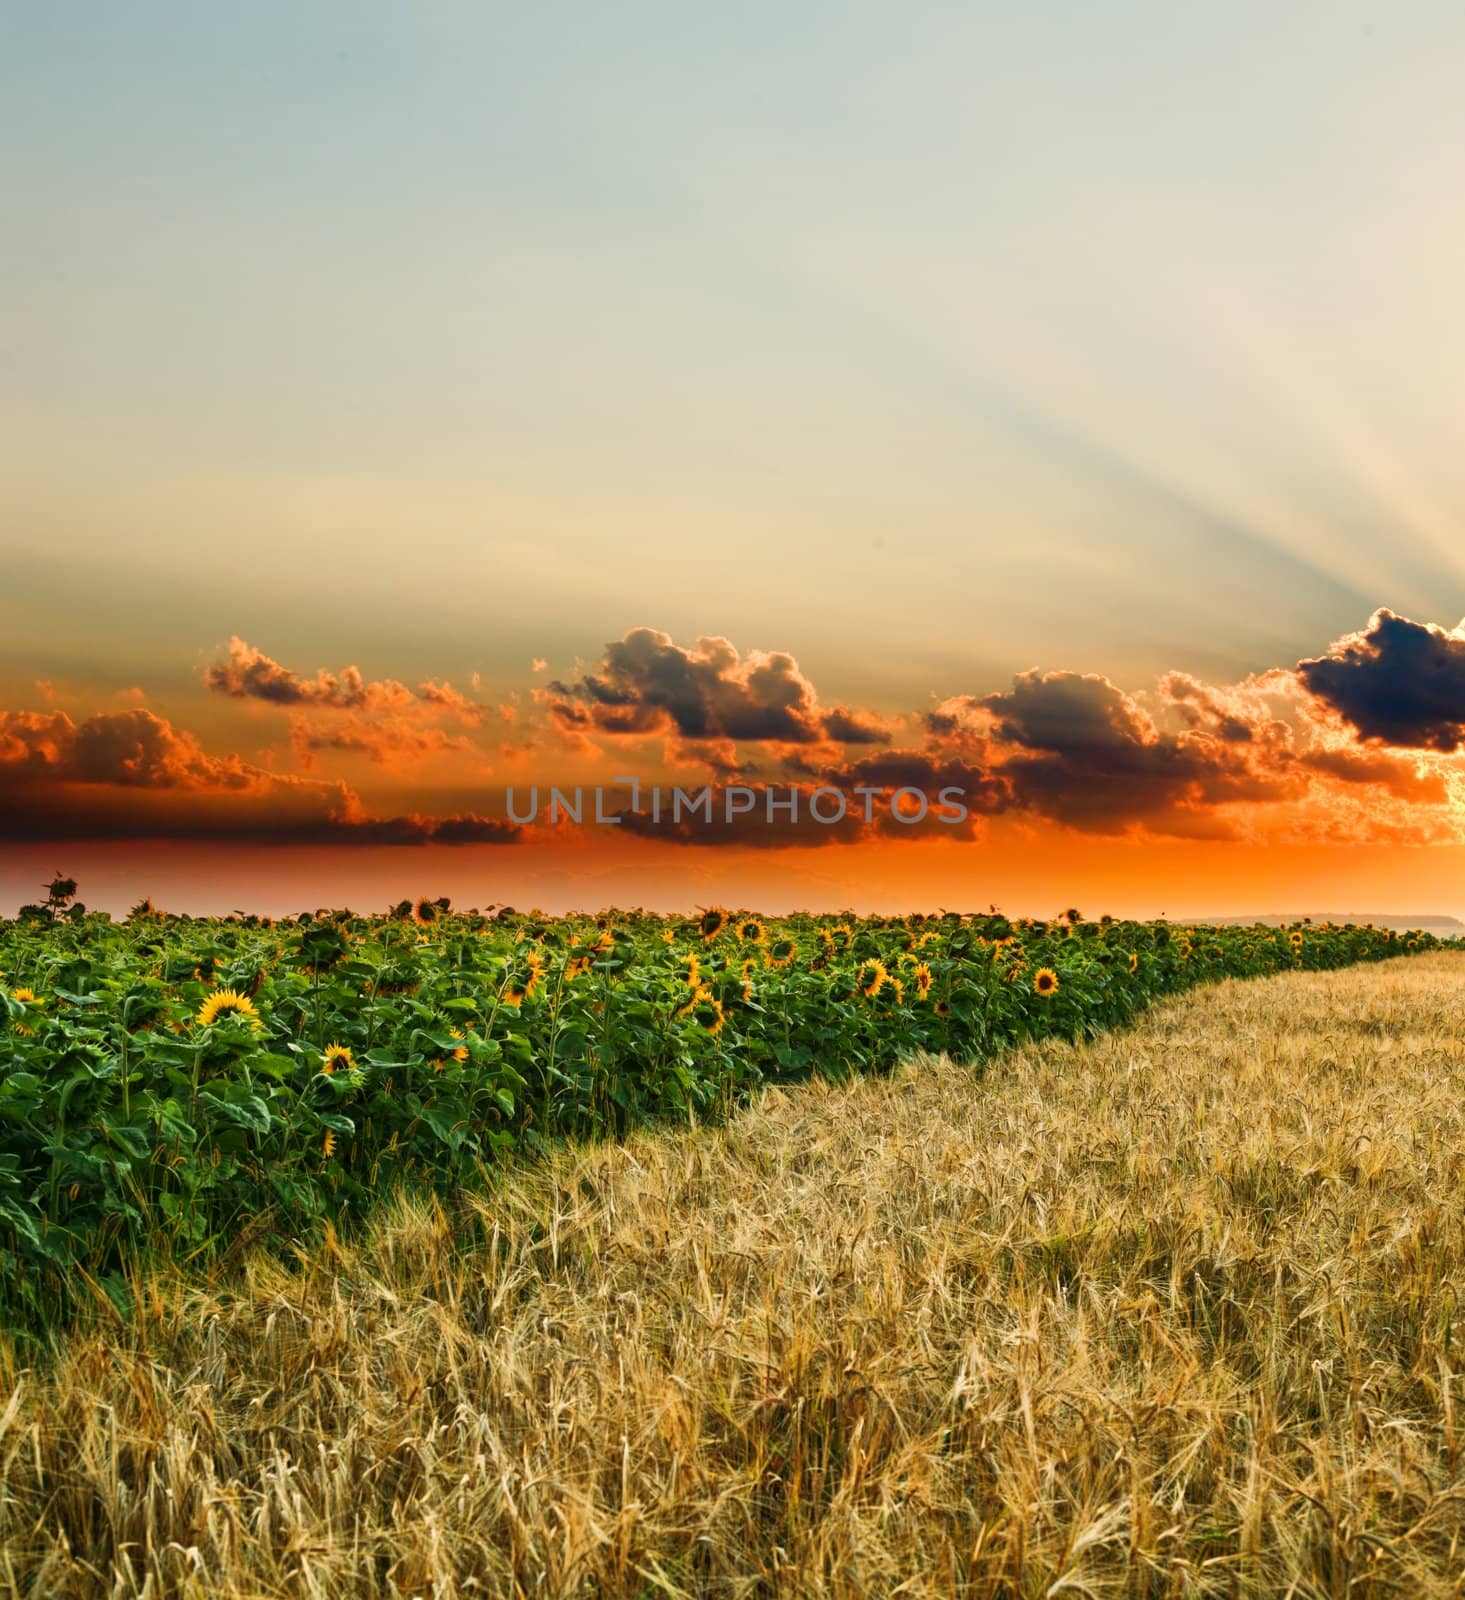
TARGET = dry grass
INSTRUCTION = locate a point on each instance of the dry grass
(1173, 1314)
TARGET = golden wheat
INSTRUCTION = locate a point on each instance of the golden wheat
(1169, 1314)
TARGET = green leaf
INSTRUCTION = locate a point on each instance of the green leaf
(249, 1112)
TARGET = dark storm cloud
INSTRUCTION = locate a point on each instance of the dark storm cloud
(645, 683)
(1396, 682)
(1075, 749)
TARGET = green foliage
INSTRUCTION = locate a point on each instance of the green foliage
(181, 1087)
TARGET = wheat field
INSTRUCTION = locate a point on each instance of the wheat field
(1172, 1313)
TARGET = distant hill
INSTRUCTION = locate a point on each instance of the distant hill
(1441, 927)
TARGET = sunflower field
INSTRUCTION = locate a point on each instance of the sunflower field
(182, 1088)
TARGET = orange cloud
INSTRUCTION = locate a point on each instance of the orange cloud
(132, 775)
(249, 674)
(389, 740)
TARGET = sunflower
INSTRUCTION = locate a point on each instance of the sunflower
(921, 977)
(711, 922)
(578, 964)
(751, 931)
(698, 995)
(521, 989)
(942, 1009)
(899, 987)
(461, 1053)
(871, 977)
(337, 1055)
(1045, 981)
(780, 953)
(28, 997)
(707, 1013)
(1134, 961)
(745, 982)
(228, 1003)
(693, 976)
(1186, 949)
(328, 1145)
(425, 911)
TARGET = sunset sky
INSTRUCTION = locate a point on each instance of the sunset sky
(399, 403)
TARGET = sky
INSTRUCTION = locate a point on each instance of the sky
(803, 395)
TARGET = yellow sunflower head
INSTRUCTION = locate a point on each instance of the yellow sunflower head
(1134, 961)
(707, 1013)
(1045, 981)
(781, 952)
(751, 931)
(711, 922)
(526, 981)
(337, 1055)
(28, 998)
(871, 977)
(921, 977)
(228, 1004)
(693, 1000)
(328, 1145)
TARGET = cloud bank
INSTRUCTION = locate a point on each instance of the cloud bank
(1361, 743)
